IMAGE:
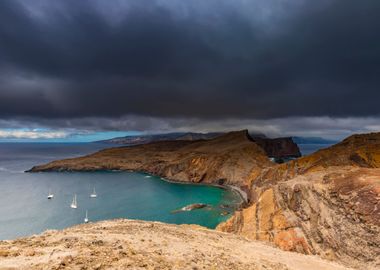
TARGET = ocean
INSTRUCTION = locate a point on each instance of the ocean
(307, 149)
(25, 209)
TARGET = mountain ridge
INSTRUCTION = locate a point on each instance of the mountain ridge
(278, 148)
(227, 159)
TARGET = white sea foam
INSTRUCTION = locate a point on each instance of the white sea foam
(3, 169)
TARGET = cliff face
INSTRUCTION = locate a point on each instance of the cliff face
(279, 147)
(127, 244)
(229, 159)
(326, 203)
(356, 151)
(333, 213)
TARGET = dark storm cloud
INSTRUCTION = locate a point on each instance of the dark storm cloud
(238, 59)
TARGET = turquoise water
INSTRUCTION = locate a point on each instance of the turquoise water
(25, 210)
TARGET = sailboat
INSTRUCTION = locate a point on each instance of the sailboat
(93, 194)
(50, 195)
(86, 218)
(74, 202)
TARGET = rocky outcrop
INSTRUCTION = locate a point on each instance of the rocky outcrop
(356, 151)
(229, 159)
(327, 203)
(279, 148)
(193, 206)
(127, 244)
(334, 213)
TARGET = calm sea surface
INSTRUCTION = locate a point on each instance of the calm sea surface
(307, 149)
(25, 209)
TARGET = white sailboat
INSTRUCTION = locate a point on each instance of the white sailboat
(86, 218)
(74, 202)
(50, 195)
(93, 194)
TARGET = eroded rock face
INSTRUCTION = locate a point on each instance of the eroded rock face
(229, 159)
(327, 203)
(279, 147)
(334, 213)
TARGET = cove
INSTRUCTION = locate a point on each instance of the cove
(25, 209)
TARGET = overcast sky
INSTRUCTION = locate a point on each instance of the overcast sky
(281, 67)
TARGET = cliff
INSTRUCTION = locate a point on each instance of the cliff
(279, 148)
(127, 244)
(356, 151)
(232, 158)
(326, 204)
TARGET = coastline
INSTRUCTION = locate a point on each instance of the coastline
(241, 194)
(236, 190)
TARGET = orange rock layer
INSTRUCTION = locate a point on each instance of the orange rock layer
(327, 203)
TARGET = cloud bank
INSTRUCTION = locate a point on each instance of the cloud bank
(32, 134)
(169, 64)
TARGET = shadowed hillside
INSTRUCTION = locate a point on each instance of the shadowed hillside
(229, 159)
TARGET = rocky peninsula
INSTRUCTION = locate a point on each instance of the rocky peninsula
(232, 159)
(325, 204)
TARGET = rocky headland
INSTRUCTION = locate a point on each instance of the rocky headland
(327, 203)
(232, 159)
(278, 148)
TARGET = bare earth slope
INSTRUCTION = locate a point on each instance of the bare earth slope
(327, 203)
(357, 151)
(229, 159)
(127, 244)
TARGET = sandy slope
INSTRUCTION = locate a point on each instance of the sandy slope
(127, 244)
